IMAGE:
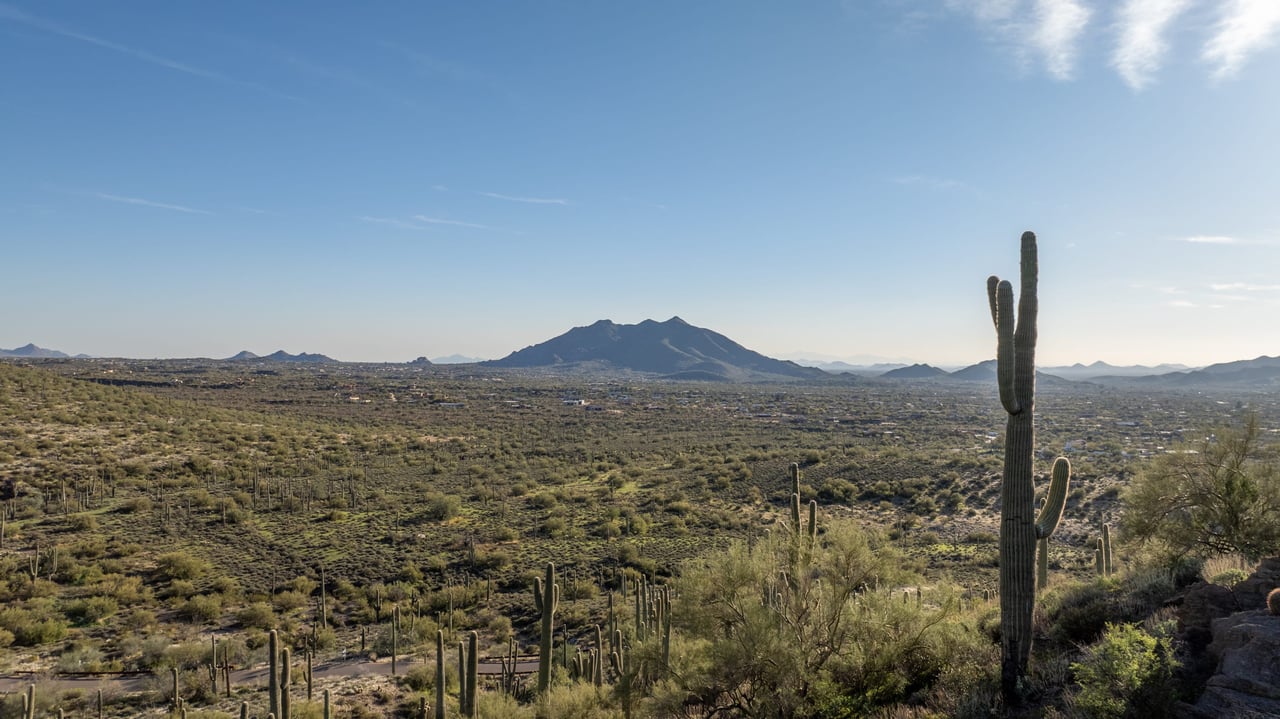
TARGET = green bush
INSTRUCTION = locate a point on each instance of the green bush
(92, 609)
(750, 620)
(1127, 673)
(180, 565)
(1229, 578)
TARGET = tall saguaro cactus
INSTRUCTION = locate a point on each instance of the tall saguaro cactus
(1019, 527)
(546, 597)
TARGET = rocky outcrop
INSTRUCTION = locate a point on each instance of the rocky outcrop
(1252, 592)
(1245, 646)
(1247, 683)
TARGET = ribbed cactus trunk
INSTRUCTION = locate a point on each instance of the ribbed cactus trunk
(546, 596)
(440, 673)
(1020, 528)
(273, 675)
(472, 675)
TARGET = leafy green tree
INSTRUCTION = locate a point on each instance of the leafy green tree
(1219, 496)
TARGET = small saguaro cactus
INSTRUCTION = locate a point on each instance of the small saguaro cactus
(471, 678)
(273, 672)
(625, 668)
(286, 704)
(1020, 529)
(440, 673)
(546, 597)
(1107, 566)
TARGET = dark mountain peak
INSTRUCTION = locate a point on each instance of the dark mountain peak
(423, 361)
(915, 371)
(282, 356)
(32, 351)
(674, 347)
(241, 356)
(980, 372)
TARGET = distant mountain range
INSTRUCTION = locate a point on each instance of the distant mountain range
(279, 356)
(674, 349)
(1258, 373)
(33, 352)
(1102, 369)
(456, 359)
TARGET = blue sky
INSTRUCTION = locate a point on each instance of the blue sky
(386, 180)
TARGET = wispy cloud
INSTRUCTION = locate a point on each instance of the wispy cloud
(1213, 240)
(1049, 29)
(530, 200)
(1056, 34)
(8, 12)
(1243, 287)
(1141, 46)
(149, 203)
(391, 221)
(987, 11)
(455, 223)
(1244, 28)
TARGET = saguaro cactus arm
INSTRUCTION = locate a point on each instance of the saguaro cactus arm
(1051, 513)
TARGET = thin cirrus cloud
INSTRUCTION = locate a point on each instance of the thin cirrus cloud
(1141, 45)
(13, 14)
(418, 222)
(527, 200)
(1213, 240)
(454, 223)
(149, 203)
(1052, 32)
(1244, 28)
(1243, 287)
(1048, 29)
(390, 221)
(1056, 36)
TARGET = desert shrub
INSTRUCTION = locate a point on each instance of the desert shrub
(91, 609)
(258, 615)
(754, 657)
(1229, 578)
(441, 507)
(289, 600)
(553, 527)
(180, 565)
(202, 608)
(1127, 673)
(493, 559)
(420, 677)
(1273, 601)
(31, 627)
(82, 522)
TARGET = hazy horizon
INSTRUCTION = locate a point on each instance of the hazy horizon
(831, 179)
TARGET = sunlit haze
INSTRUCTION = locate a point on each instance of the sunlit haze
(382, 181)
